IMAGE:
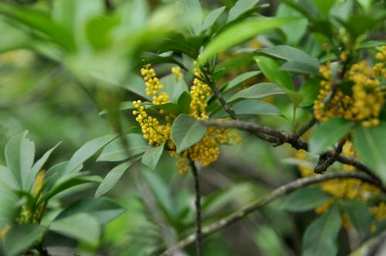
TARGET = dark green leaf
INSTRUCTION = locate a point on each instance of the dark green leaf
(303, 200)
(102, 209)
(81, 226)
(370, 144)
(328, 133)
(320, 237)
(21, 237)
(359, 215)
(186, 132)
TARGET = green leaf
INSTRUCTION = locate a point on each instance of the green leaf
(370, 144)
(295, 30)
(19, 157)
(102, 209)
(184, 103)
(174, 87)
(39, 21)
(250, 107)
(8, 199)
(240, 79)
(40, 163)
(241, 7)
(257, 91)
(152, 156)
(272, 71)
(67, 182)
(326, 134)
(186, 132)
(297, 60)
(324, 6)
(114, 151)
(112, 178)
(303, 200)
(21, 237)
(211, 18)
(82, 226)
(359, 215)
(193, 14)
(238, 33)
(320, 237)
(86, 151)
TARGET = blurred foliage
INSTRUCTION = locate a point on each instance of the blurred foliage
(70, 72)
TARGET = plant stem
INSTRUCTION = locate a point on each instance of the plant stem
(198, 208)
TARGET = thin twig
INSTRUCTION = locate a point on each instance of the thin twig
(328, 158)
(274, 136)
(280, 191)
(306, 127)
(198, 208)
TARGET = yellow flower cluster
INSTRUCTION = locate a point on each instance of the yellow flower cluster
(153, 86)
(205, 151)
(154, 132)
(379, 211)
(340, 189)
(176, 71)
(366, 100)
(199, 92)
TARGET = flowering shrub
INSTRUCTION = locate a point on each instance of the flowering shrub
(273, 110)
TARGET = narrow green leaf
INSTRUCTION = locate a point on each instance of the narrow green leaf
(193, 14)
(370, 144)
(112, 178)
(303, 200)
(211, 18)
(186, 132)
(320, 237)
(238, 33)
(39, 21)
(257, 91)
(241, 7)
(240, 79)
(250, 107)
(114, 151)
(326, 134)
(81, 226)
(21, 237)
(19, 157)
(86, 151)
(152, 156)
(102, 209)
(271, 69)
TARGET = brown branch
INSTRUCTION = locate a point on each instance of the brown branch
(278, 138)
(198, 208)
(328, 158)
(306, 127)
(280, 191)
